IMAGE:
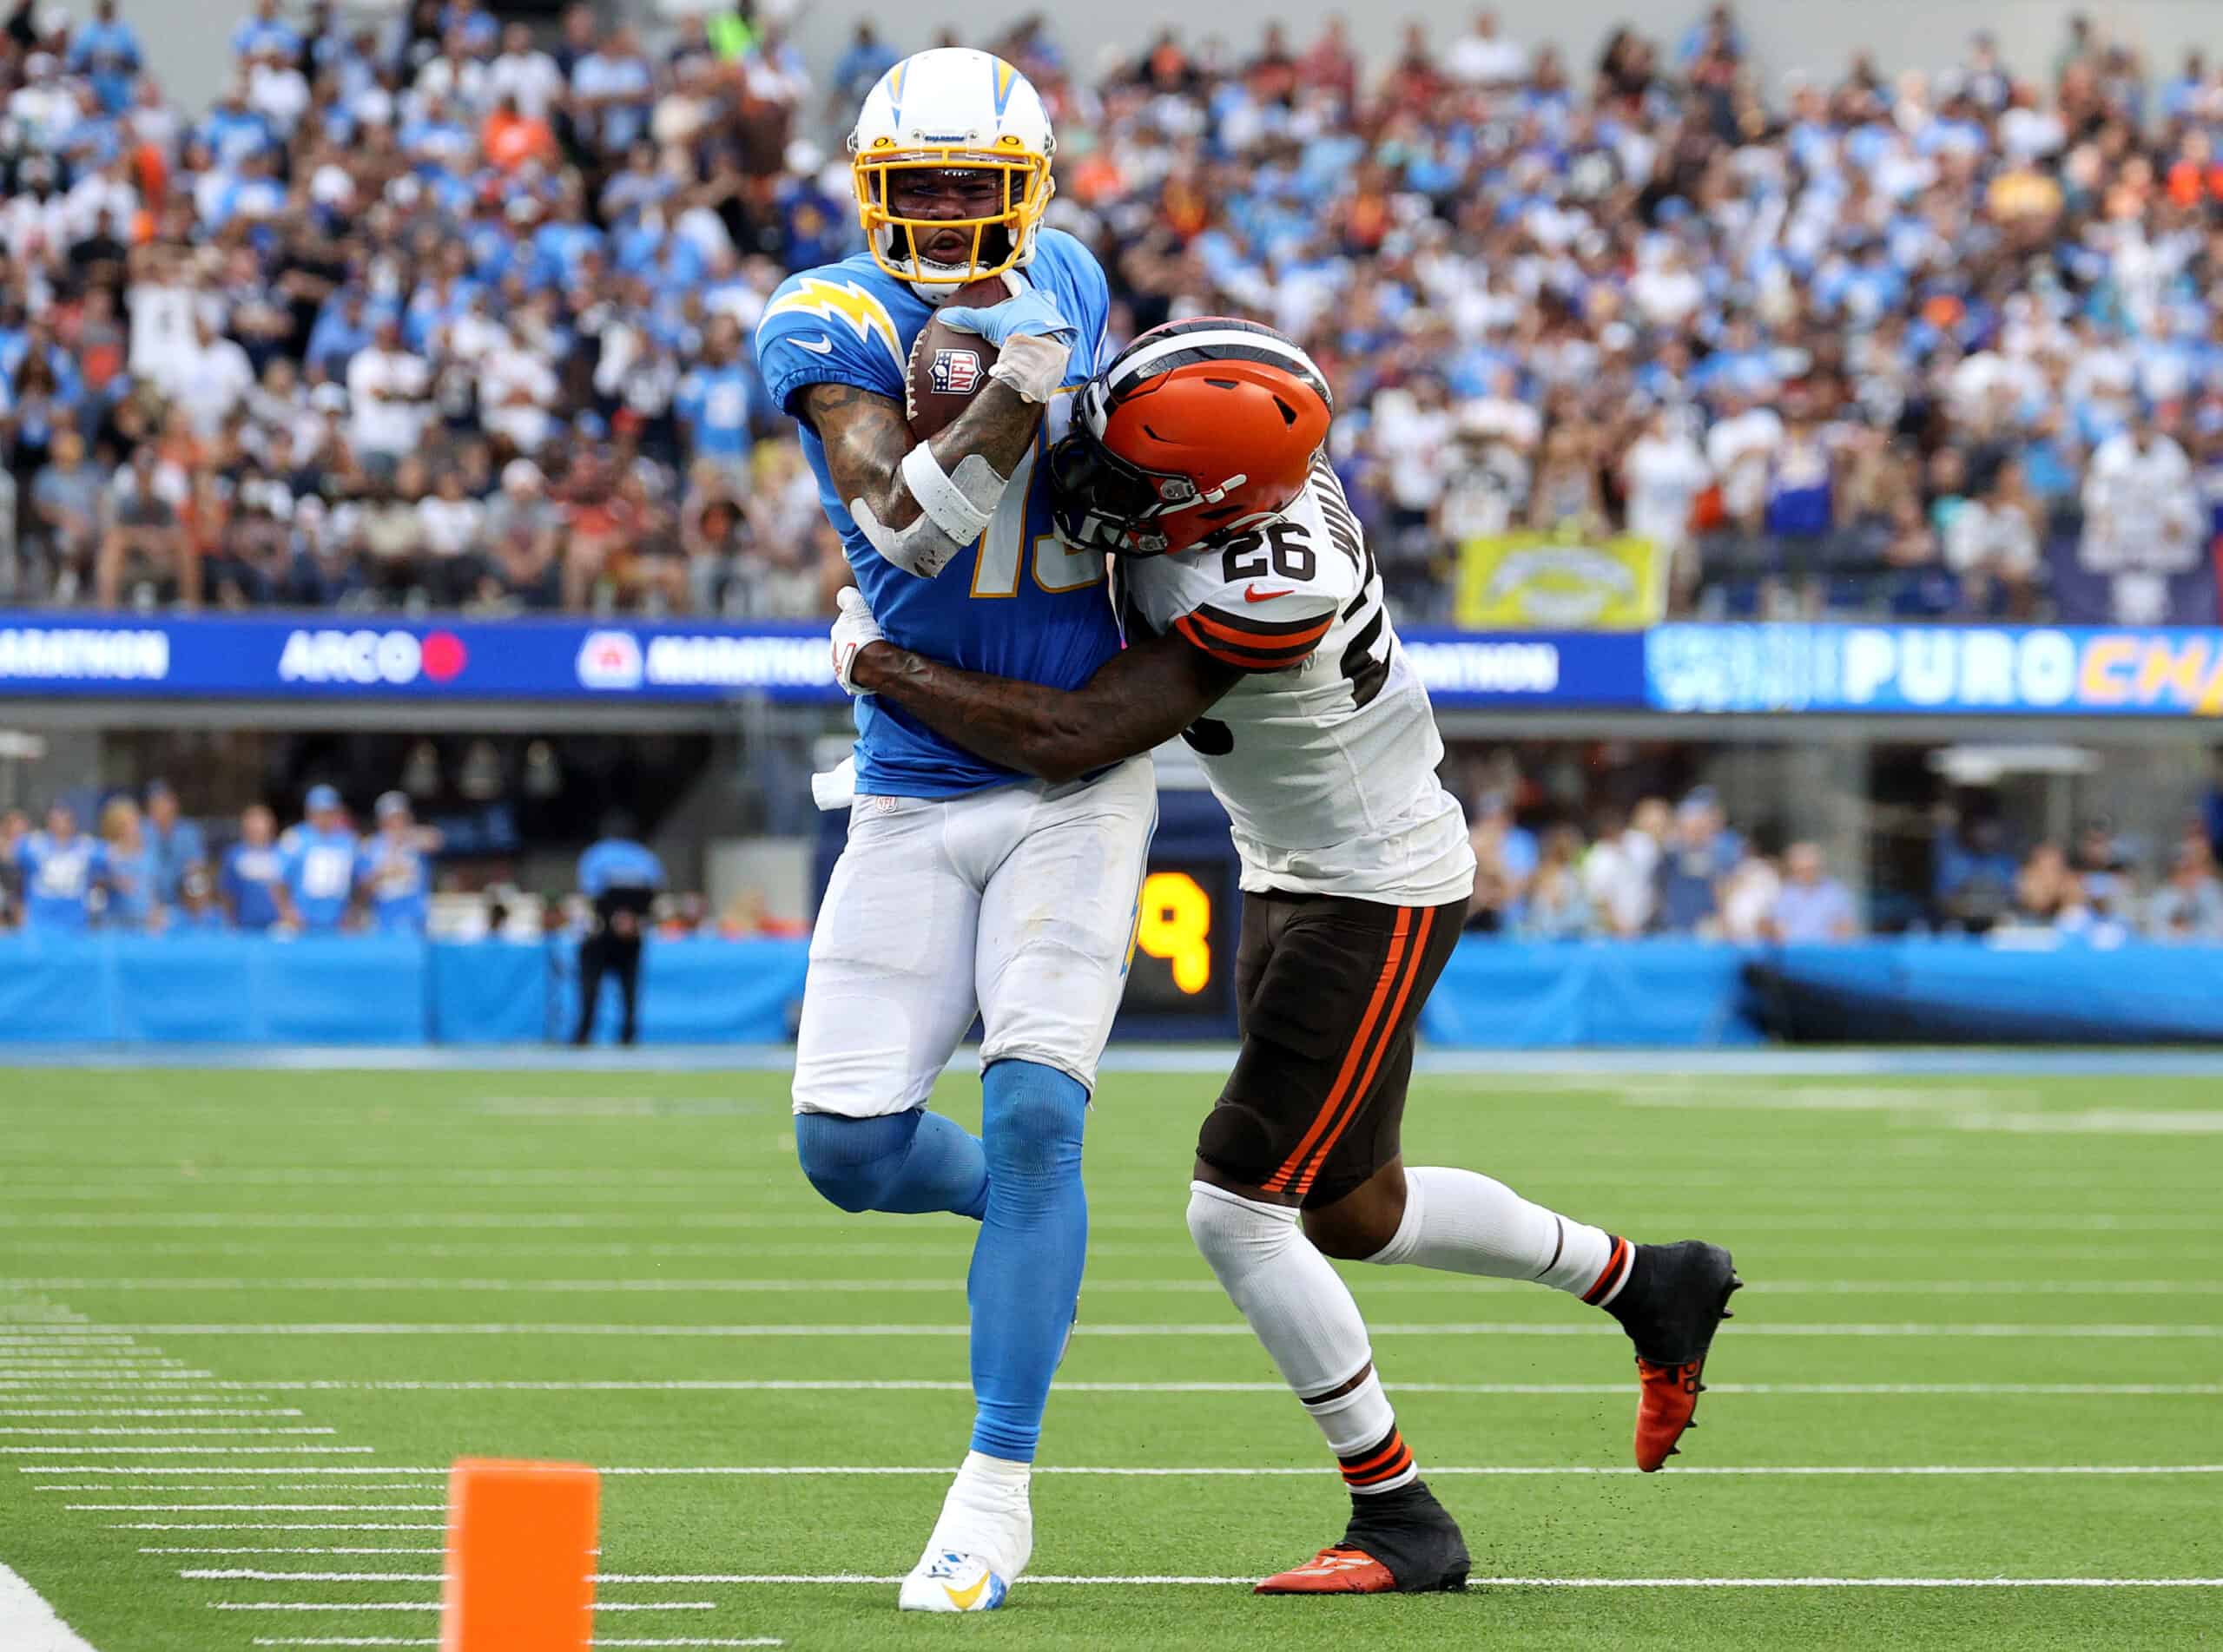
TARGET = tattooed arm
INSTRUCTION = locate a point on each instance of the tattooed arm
(866, 440)
(1137, 699)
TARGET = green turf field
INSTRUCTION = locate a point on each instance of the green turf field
(253, 1315)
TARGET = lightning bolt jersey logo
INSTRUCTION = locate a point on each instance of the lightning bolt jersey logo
(844, 303)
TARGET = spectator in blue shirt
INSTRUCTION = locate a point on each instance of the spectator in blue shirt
(394, 872)
(252, 884)
(197, 909)
(106, 52)
(1687, 883)
(265, 31)
(621, 877)
(318, 857)
(1812, 906)
(234, 130)
(717, 400)
(132, 903)
(59, 866)
(867, 58)
(612, 89)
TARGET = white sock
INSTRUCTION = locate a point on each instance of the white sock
(1299, 1308)
(987, 1512)
(1464, 1222)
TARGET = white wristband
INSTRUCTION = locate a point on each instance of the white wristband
(962, 505)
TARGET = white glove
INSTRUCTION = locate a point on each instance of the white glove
(853, 630)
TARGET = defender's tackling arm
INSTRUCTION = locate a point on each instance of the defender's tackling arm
(1138, 698)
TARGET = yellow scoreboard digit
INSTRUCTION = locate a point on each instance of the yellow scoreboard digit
(1176, 924)
(1180, 973)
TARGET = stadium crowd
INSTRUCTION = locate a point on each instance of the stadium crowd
(1569, 873)
(1683, 870)
(142, 866)
(446, 313)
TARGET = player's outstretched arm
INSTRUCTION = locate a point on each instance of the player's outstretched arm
(1138, 698)
(921, 502)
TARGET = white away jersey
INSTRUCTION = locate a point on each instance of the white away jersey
(1324, 754)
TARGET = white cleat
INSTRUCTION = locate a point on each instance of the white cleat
(950, 1582)
(981, 1544)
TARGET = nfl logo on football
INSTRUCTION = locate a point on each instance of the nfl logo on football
(955, 373)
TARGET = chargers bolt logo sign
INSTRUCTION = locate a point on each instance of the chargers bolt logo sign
(955, 373)
(609, 660)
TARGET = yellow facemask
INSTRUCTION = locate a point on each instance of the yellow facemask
(1027, 188)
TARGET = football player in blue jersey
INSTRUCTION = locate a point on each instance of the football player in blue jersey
(964, 884)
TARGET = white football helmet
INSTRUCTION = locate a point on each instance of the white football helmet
(953, 109)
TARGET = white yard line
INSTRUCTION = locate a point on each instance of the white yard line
(164, 1433)
(434, 1606)
(1574, 1583)
(841, 1385)
(1201, 1328)
(255, 1508)
(29, 1624)
(882, 1470)
(160, 1411)
(192, 1549)
(805, 1213)
(1438, 1284)
(190, 1451)
(283, 1525)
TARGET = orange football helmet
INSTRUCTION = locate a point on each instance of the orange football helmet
(1199, 427)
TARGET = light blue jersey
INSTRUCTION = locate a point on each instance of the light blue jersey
(58, 878)
(398, 880)
(1019, 604)
(319, 873)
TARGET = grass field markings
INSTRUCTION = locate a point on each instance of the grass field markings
(252, 1508)
(434, 1606)
(1802, 1220)
(27, 1623)
(1568, 1583)
(172, 1488)
(194, 1451)
(840, 1386)
(281, 1525)
(1201, 1328)
(158, 1411)
(2098, 1121)
(752, 1470)
(393, 1640)
(164, 1432)
(313, 1549)
(246, 1575)
(1435, 1285)
(927, 1245)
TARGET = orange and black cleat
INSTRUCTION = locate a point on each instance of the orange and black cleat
(1398, 1542)
(1336, 1571)
(1676, 1298)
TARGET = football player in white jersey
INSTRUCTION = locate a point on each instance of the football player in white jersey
(1256, 630)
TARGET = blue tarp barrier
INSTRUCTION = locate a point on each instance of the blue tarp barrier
(1958, 993)
(370, 990)
(1503, 995)
(377, 989)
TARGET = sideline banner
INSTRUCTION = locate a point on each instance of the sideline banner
(1516, 580)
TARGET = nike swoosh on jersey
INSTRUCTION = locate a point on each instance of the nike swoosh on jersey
(1252, 594)
(822, 345)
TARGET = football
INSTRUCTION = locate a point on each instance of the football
(948, 368)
